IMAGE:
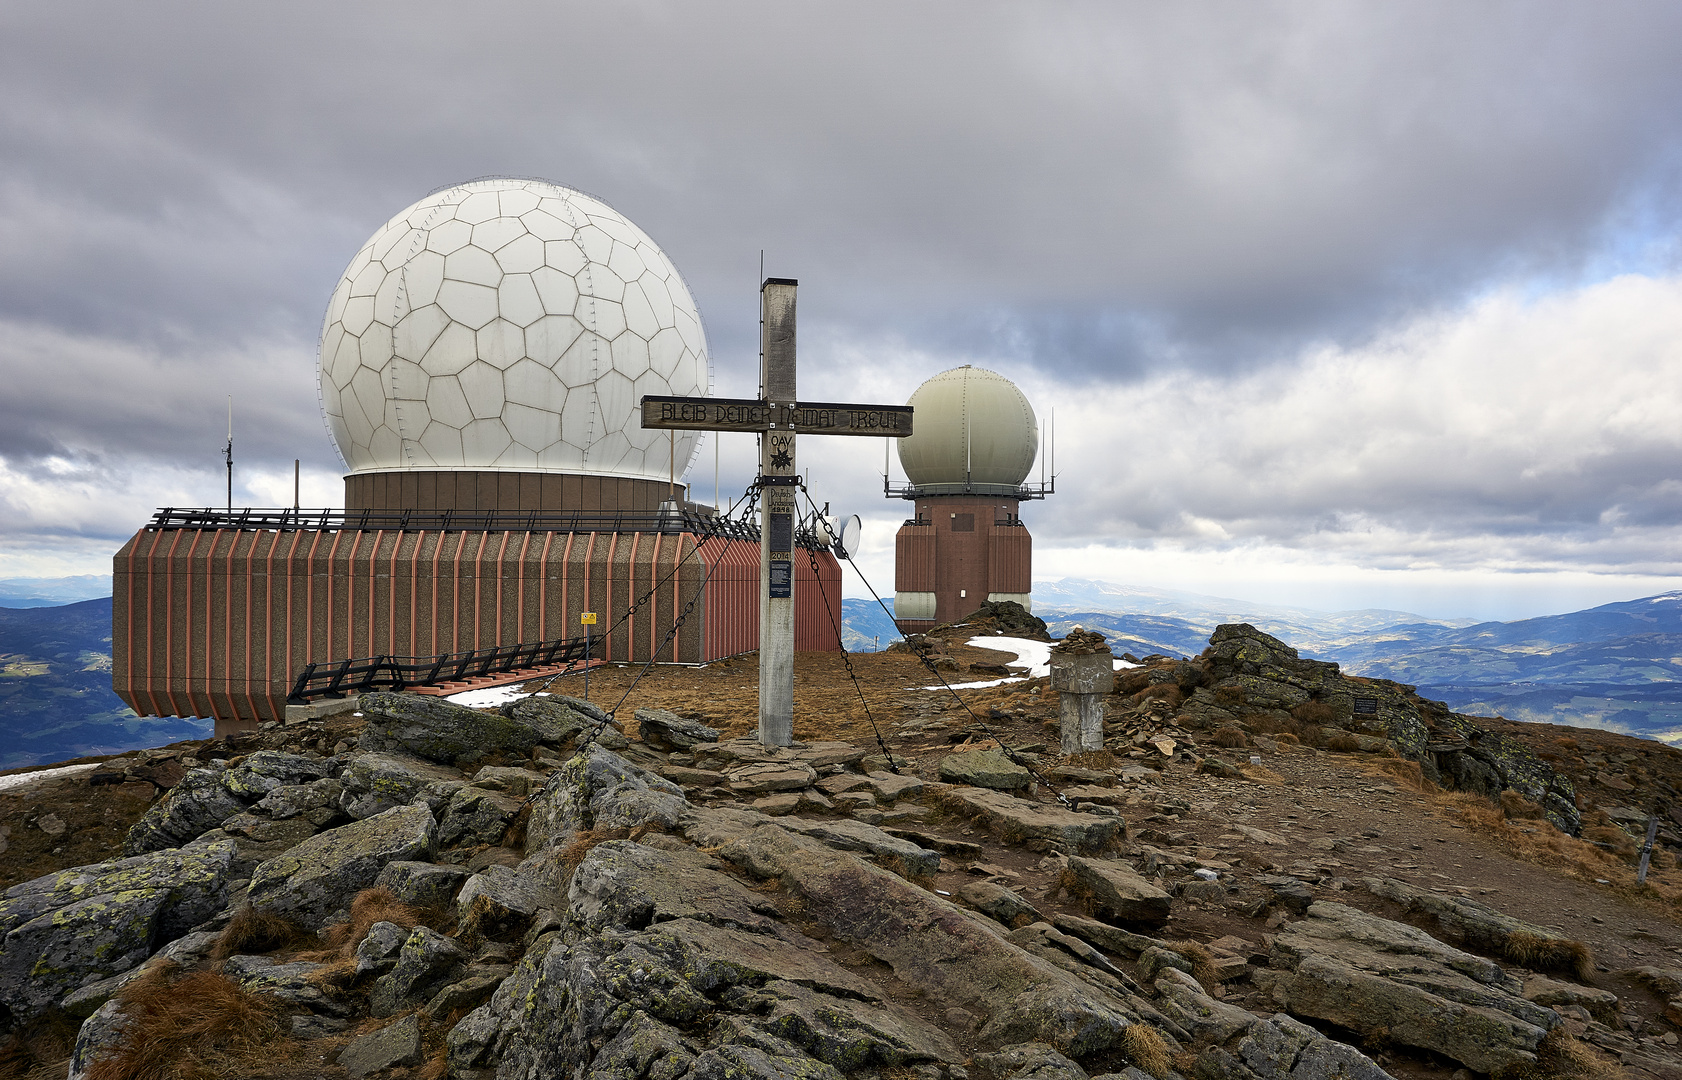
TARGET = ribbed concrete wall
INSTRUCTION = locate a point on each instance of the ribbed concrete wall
(498, 490)
(218, 622)
(962, 549)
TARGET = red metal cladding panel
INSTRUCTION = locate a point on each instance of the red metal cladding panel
(817, 604)
(219, 622)
(1011, 559)
(914, 566)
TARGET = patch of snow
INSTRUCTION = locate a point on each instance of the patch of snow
(24, 779)
(488, 698)
(975, 685)
(1035, 655)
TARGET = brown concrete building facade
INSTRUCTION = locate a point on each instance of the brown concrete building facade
(486, 489)
(957, 552)
(214, 619)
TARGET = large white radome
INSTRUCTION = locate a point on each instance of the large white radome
(509, 324)
(974, 432)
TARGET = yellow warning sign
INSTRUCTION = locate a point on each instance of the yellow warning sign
(588, 618)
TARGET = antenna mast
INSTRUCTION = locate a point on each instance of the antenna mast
(229, 452)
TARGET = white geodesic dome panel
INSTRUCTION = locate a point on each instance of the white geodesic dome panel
(509, 324)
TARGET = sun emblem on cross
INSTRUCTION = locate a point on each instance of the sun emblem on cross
(780, 459)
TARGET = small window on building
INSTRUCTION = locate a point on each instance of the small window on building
(963, 522)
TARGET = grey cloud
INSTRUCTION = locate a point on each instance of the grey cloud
(1088, 195)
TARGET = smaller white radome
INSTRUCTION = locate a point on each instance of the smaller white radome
(509, 324)
(974, 432)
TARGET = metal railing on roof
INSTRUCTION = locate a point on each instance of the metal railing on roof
(292, 520)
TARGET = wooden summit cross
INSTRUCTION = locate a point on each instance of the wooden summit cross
(776, 418)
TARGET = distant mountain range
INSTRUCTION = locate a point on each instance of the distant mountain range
(1617, 666)
(56, 700)
(50, 592)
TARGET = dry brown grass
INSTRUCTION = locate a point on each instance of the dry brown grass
(1540, 843)
(1618, 842)
(370, 906)
(1282, 726)
(1202, 963)
(1231, 697)
(1343, 742)
(1406, 773)
(1317, 713)
(1562, 1057)
(192, 1027)
(1230, 735)
(1549, 954)
(1144, 1047)
(252, 932)
(572, 855)
(1168, 692)
(1516, 806)
(437, 1066)
(1094, 759)
(39, 1052)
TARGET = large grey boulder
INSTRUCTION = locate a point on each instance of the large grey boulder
(625, 885)
(194, 880)
(1118, 891)
(395, 1044)
(844, 834)
(427, 962)
(684, 995)
(599, 790)
(101, 1034)
(985, 768)
(1019, 821)
(1281, 1048)
(560, 720)
(66, 930)
(199, 803)
(54, 953)
(1207, 1019)
(297, 984)
(935, 946)
(261, 772)
(323, 874)
(475, 815)
(668, 731)
(317, 800)
(377, 782)
(1027, 1061)
(449, 734)
(1464, 921)
(1387, 979)
(499, 902)
(422, 884)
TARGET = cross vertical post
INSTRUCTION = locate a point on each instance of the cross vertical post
(777, 515)
(775, 418)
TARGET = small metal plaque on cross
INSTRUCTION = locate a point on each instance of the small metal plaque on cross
(777, 418)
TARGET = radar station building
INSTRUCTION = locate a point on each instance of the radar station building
(482, 361)
(965, 465)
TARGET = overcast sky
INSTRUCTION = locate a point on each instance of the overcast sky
(1341, 305)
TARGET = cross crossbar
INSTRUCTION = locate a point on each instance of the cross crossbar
(747, 414)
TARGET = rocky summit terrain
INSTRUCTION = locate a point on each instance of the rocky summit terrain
(1271, 870)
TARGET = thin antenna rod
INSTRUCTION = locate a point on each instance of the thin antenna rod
(715, 473)
(762, 326)
(295, 503)
(229, 451)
